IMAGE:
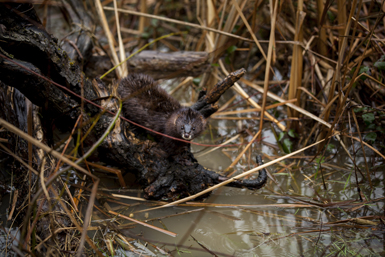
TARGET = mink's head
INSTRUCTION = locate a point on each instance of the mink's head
(187, 123)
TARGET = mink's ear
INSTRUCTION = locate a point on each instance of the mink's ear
(174, 117)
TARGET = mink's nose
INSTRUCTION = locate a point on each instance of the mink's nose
(186, 133)
(186, 136)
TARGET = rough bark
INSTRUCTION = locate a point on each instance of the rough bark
(156, 64)
(206, 101)
(25, 46)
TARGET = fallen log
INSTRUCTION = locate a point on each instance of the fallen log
(32, 61)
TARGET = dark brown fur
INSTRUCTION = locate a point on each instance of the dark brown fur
(145, 103)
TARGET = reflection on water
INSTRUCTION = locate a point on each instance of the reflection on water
(271, 230)
(246, 231)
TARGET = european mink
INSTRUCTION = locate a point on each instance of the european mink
(147, 104)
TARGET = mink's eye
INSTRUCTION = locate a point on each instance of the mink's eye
(193, 128)
(182, 128)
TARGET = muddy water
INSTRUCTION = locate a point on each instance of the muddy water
(256, 231)
(264, 227)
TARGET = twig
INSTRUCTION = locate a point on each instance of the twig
(144, 224)
(178, 22)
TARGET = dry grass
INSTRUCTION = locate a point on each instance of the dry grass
(321, 59)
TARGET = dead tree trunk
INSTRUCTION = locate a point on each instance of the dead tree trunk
(32, 61)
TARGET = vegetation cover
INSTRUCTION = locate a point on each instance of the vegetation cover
(299, 82)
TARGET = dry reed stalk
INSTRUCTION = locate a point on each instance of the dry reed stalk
(361, 57)
(342, 19)
(208, 17)
(352, 49)
(350, 52)
(293, 106)
(253, 109)
(29, 167)
(268, 61)
(297, 62)
(294, 157)
(37, 143)
(236, 118)
(380, 40)
(336, 167)
(109, 36)
(72, 200)
(329, 77)
(117, 172)
(223, 7)
(232, 19)
(312, 96)
(280, 163)
(169, 233)
(369, 77)
(58, 165)
(363, 150)
(83, 230)
(226, 105)
(30, 151)
(341, 55)
(367, 145)
(47, 149)
(337, 74)
(257, 65)
(355, 166)
(193, 25)
(14, 198)
(143, 21)
(243, 152)
(314, 63)
(210, 20)
(240, 91)
(249, 28)
(42, 179)
(219, 146)
(227, 153)
(187, 81)
(122, 52)
(322, 39)
(60, 230)
(129, 197)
